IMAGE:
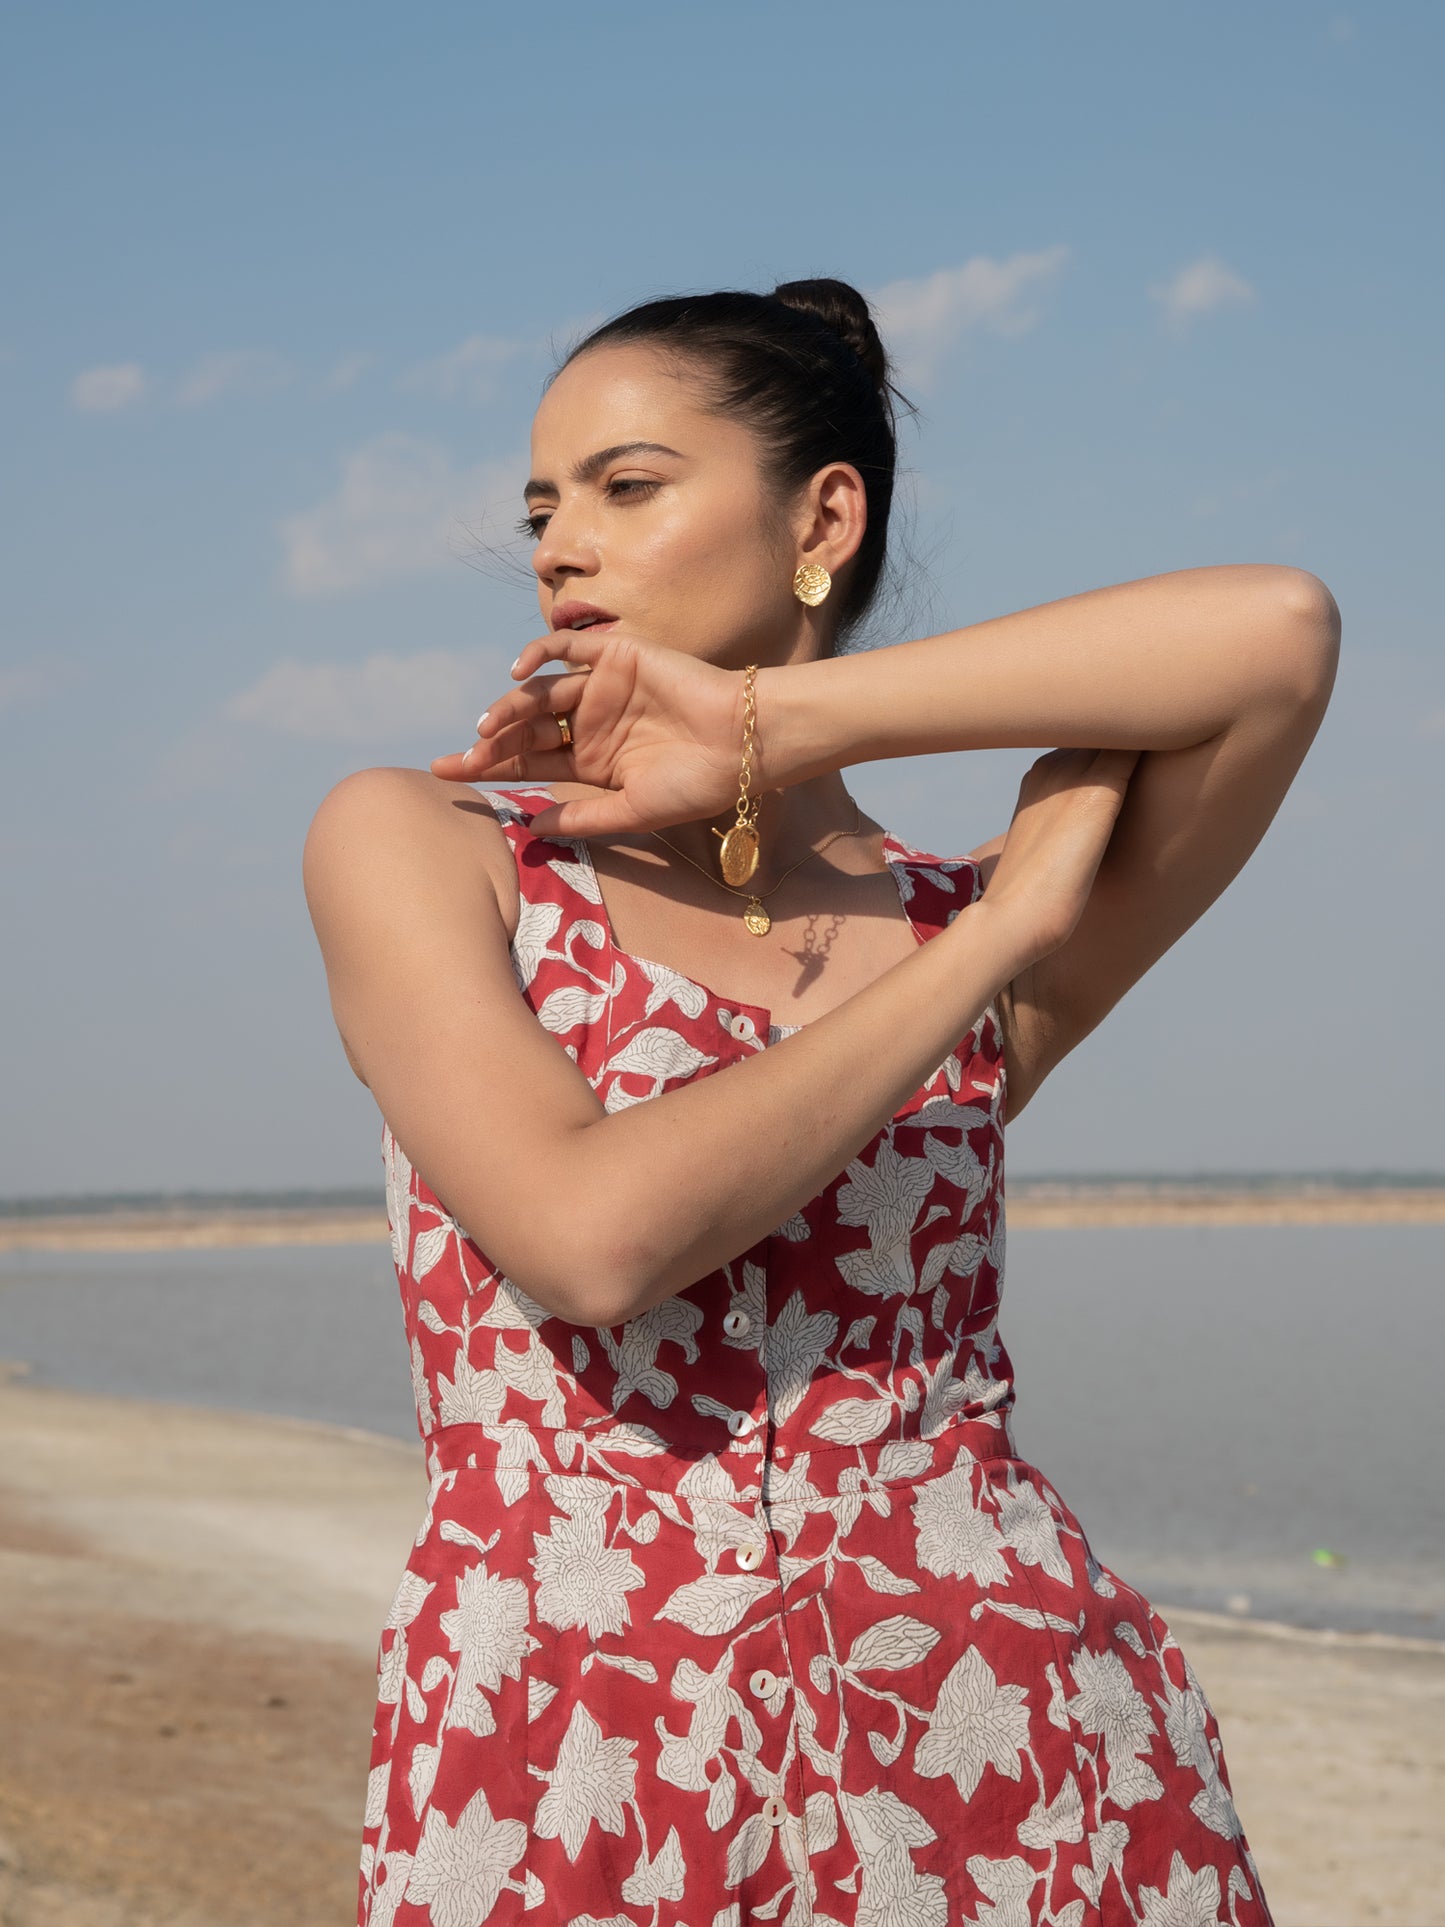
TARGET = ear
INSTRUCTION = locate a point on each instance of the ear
(832, 517)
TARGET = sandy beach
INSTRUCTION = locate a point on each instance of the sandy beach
(193, 1600)
(1053, 1206)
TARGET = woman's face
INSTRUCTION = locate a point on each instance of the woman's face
(651, 511)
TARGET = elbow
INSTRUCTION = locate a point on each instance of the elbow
(1309, 652)
(1314, 609)
(595, 1286)
(593, 1257)
(623, 1284)
(587, 1295)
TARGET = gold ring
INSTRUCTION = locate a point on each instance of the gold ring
(564, 724)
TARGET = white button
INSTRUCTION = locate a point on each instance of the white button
(749, 1557)
(763, 1683)
(735, 1323)
(774, 1812)
(742, 1028)
(740, 1424)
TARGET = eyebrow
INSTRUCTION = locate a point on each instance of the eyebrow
(591, 466)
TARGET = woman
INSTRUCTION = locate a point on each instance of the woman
(732, 1601)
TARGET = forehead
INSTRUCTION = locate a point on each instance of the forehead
(629, 393)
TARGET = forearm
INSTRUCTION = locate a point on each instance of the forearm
(1163, 663)
(678, 1186)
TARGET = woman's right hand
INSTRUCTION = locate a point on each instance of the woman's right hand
(660, 730)
(1068, 804)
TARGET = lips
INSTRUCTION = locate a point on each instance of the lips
(580, 615)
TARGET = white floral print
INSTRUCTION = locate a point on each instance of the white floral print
(592, 1781)
(487, 1628)
(747, 1610)
(976, 1723)
(955, 1536)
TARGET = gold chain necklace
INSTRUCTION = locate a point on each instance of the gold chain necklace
(755, 916)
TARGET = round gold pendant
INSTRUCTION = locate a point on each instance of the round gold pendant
(757, 919)
(739, 853)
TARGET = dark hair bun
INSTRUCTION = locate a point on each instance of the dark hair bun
(840, 307)
(804, 371)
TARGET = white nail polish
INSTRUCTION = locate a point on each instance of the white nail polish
(516, 665)
(481, 719)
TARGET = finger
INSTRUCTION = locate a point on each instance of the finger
(536, 735)
(509, 756)
(452, 768)
(1115, 765)
(538, 766)
(607, 815)
(538, 696)
(577, 646)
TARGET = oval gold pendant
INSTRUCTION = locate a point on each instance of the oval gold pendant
(757, 919)
(739, 853)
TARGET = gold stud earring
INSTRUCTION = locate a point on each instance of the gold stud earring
(812, 583)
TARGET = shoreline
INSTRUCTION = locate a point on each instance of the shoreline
(15, 1374)
(197, 1597)
(1049, 1206)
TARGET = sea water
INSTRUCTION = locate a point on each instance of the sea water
(1244, 1419)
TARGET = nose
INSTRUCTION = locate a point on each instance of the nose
(563, 550)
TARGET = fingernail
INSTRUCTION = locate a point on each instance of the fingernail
(482, 719)
(516, 665)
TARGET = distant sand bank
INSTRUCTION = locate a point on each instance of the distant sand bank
(193, 1601)
(1125, 1205)
(183, 1230)
(1049, 1206)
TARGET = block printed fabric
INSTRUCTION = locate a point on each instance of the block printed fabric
(747, 1610)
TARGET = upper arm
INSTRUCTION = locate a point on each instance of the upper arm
(1189, 821)
(482, 1099)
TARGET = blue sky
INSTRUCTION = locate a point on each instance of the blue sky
(283, 285)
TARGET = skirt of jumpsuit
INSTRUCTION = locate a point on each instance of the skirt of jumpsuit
(746, 1610)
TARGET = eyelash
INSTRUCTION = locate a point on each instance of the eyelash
(636, 489)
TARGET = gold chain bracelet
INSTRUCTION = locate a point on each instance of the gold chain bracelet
(739, 853)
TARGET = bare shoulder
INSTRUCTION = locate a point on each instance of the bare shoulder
(382, 825)
(395, 804)
(402, 874)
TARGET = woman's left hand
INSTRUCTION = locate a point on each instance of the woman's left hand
(658, 729)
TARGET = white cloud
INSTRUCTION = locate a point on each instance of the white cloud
(397, 511)
(233, 371)
(1204, 285)
(468, 372)
(100, 391)
(345, 372)
(32, 682)
(383, 699)
(922, 320)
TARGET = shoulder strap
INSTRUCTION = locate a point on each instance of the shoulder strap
(935, 888)
(560, 899)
